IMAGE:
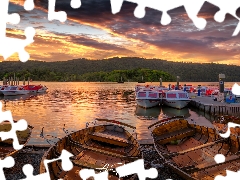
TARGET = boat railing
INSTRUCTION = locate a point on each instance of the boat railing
(99, 121)
(165, 120)
(115, 122)
(49, 140)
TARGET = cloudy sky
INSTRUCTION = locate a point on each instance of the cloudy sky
(93, 32)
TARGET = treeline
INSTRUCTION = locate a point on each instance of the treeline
(86, 70)
(113, 76)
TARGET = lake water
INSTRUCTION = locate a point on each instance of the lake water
(75, 103)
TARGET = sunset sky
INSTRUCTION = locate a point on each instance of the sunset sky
(93, 32)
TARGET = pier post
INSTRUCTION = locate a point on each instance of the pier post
(221, 82)
(178, 82)
(11, 81)
(24, 81)
(199, 90)
(160, 81)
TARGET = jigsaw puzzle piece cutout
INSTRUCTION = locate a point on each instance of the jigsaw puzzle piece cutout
(18, 126)
(76, 4)
(230, 175)
(137, 167)
(229, 125)
(236, 88)
(53, 15)
(226, 7)
(191, 7)
(8, 162)
(87, 173)
(16, 45)
(28, 171)
(67, 165)
(6, 18)
(29, 5)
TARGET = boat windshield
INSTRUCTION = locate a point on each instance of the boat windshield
(182, 95)
(142, 94)
(12, 88)
(171, 95)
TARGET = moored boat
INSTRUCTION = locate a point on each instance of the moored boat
(35, 88)
(97, 147)
(190, 149)
(2, 88)
(42, 89)
(148, 98)
(175, 98)
(14, 90)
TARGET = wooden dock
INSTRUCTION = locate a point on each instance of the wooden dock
(208, 105)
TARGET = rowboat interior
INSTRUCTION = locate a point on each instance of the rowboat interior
(99, 147)
(189, 149)
(6, 146)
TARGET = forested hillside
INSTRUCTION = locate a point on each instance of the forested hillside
(83, 70)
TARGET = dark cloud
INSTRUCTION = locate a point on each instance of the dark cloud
(82, 40)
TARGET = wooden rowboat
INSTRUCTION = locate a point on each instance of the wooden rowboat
(6, 146)
(98, 147)
(189, 149)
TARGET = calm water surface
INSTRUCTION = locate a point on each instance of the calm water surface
(75, 103)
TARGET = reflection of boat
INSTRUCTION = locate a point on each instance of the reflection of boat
(121, 81)
(176, 99)
(19, 97)
(175, 112)
(190, 149)
(151, 112)
(98, 147)
(6, 146)
(141, 81)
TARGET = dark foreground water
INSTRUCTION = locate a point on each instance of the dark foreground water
(73, 104)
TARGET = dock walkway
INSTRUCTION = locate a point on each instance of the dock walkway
(208, 105)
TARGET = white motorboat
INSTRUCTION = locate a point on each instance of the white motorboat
(42, 89)
(2, 88)
(148, 98)
(14, 90)
(176, 98)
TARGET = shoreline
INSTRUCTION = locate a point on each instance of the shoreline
(34, 155)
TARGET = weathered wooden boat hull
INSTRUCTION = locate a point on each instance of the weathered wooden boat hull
(190, 149)
(6, 147)
(97, 147)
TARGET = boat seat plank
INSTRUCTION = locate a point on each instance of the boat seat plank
(107, 134)
(180, 134)
(119, 141)
(212, 164)
(117, 150)
(86, 147)
(193, 146)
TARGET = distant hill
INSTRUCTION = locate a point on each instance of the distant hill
(197, 72)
